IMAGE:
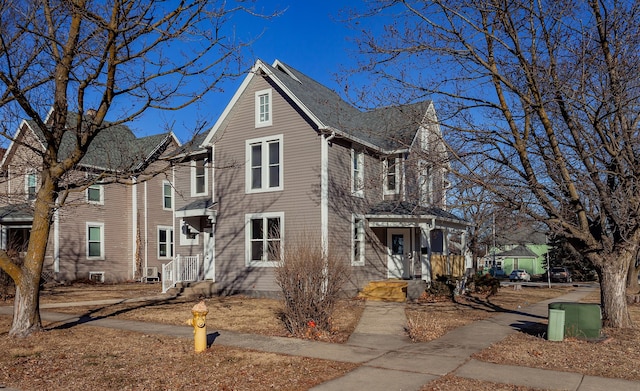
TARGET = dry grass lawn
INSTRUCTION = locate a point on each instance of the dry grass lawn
(85, 357)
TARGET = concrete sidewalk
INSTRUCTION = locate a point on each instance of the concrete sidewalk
(389, 360)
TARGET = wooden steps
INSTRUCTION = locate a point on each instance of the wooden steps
(388, 290)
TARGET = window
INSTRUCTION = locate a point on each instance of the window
(95, 240)
(94, 194)
(167, 195)
(264, 167)
(30, 186)
(264, 238)
(357, 244)
(357, 173)
(391, 175)
(165, 242)
(199, 178)
(263, 108)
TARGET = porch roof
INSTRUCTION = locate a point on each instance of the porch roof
(408, 214)
(200, 207)
(20, 213)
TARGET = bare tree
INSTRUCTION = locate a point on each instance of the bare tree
(546, 90)
(119, 58)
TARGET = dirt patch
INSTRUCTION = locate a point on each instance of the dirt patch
(433, 317)
(450, 382)
(616, 355)
(85, 357)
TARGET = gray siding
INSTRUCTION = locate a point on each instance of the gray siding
(299, 200)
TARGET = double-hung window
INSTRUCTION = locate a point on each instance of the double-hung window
(167, 195)
(357, 242)
(357, 173)
(264, 233)
(31, 181)
(199, 177)
(95, 194)
(165, 242)
(263, 108)
(391, 175)
(95, 241)
(264, 164)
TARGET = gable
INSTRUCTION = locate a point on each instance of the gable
(385, 130)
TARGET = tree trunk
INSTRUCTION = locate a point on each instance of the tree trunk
(26, 307)
(613, 293)
(632, 278)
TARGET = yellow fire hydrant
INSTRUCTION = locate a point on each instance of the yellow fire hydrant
(199, 323)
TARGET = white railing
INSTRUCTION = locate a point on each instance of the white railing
(179, 270)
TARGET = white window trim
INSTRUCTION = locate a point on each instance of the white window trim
(269, 122)
(100, 189)
(396, 162)
(170, 195)
(247, 236)
(184, 240)
(26, 185)
(355, 218)
(264, 141)
(358, 192)
(193, 178)
(101, 226)
(170, 243)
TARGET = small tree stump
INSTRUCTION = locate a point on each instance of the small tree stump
(517, 287)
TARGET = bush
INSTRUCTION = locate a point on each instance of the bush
(311, 285)
(486, 284)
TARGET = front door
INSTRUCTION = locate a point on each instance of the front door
(399, 244)
(209, 262)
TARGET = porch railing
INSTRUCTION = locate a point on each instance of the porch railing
(181, 269)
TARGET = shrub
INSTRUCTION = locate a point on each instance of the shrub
(311, 284)
(486, 284)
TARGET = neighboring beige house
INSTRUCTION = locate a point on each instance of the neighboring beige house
(289, 158)
(104, 231)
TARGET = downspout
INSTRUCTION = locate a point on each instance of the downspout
(134, 224)
(56, 241)
(146, 229)
(324, 191)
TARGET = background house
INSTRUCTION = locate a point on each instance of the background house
(520, 248)
(115, 226)
(288, 158)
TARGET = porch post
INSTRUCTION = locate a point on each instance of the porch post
(425, 242)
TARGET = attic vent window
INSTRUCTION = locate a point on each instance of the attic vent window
(264, 111)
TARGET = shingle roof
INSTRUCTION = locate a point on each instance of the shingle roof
(114, 148)
(387, 128)
(518, 251)
(404, 208)
(16, 213)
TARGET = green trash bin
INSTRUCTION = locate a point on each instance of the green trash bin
(581, 320)
(555, 328)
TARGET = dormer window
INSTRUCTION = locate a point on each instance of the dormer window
(263, 108)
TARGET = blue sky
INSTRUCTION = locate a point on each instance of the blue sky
(307, 36)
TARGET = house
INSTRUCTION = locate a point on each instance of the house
(521, 248)
(104, 230)
(288, 158)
